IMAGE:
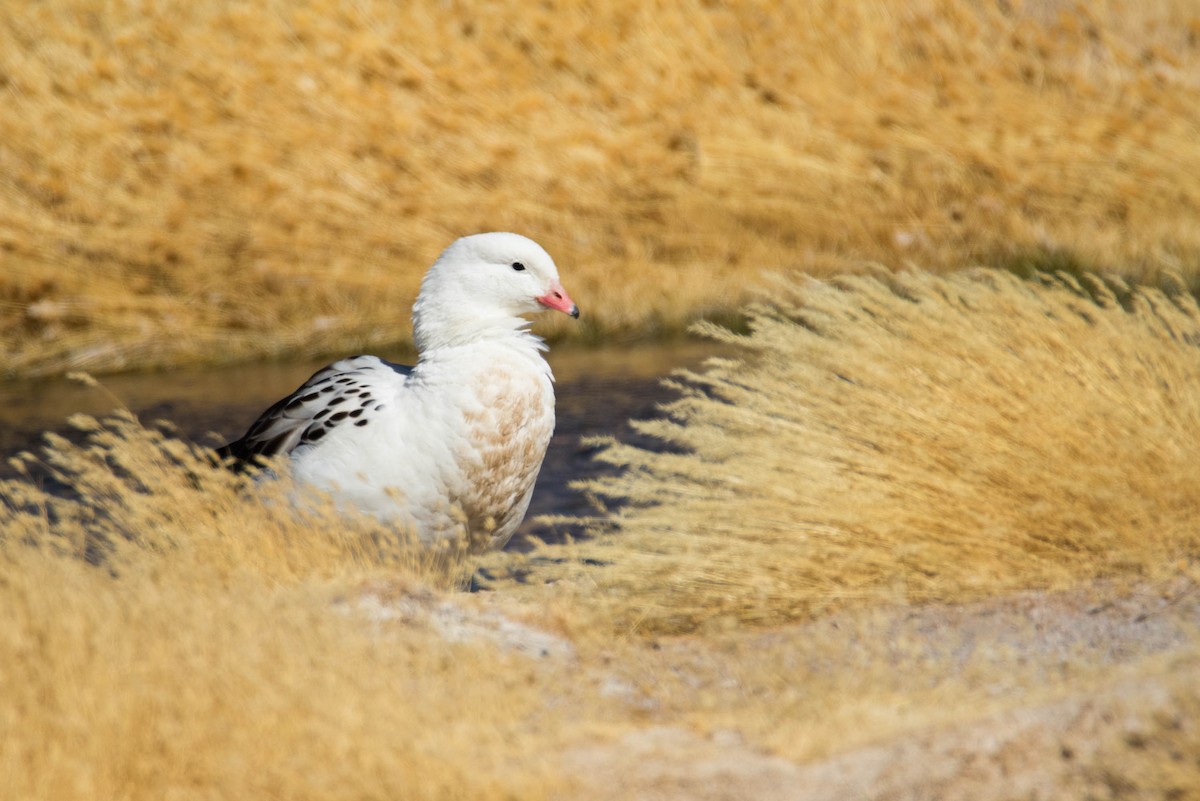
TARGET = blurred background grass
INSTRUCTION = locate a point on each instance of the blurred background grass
(188, 183)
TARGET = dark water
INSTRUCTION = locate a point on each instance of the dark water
(598, 389)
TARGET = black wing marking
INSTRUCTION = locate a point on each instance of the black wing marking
(338, 394)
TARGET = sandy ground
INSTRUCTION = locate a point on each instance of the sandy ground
(1040, 752)
(1033, 736)
(1038, 748)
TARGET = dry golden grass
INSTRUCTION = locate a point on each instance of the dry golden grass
(887, 444)
(167, 682)
(210, 182)
(218, 650)
(910, 439)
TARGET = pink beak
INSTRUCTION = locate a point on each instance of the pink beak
(558, 299)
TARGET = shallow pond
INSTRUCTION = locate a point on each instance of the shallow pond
(599, 390)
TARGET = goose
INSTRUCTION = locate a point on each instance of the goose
(452, 445)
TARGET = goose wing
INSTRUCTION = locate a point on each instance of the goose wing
(344, 393)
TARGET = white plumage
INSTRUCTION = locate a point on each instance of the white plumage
(454, 444)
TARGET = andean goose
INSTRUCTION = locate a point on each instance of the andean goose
(453, 444)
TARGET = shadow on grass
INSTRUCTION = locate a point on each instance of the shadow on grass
(1091, 282)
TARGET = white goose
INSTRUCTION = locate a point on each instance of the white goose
(452, 445)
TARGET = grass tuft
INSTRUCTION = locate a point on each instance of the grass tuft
(908, 439)
(174, 631)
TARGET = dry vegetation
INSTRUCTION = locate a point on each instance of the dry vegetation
(930, 534)
(912, 439)
(219, 650)
(186, 182)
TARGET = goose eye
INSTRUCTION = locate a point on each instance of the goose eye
(516, 265)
